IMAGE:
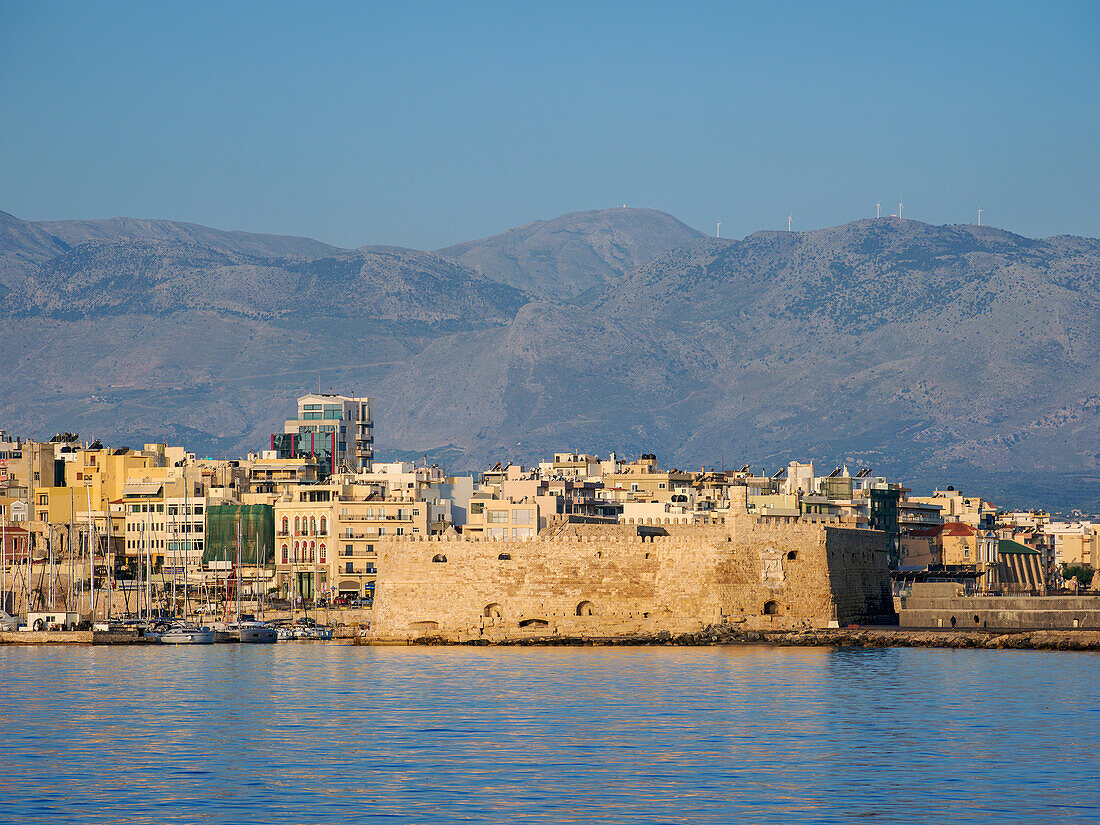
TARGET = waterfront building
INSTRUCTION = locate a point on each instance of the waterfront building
(164, 519)
(954, 506)
(337, 430)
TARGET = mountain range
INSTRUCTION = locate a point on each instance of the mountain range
(957, 355)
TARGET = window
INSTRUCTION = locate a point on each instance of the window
(439, 558)
(347, 550)
(523, 517)
(477, 508)
(322, 548)
(286, 554)
(324, 525)
(297, 525)
(496, 517)
(312, 551)
(286, 525)
(349, 567)
(522, 532)
(313, 525)
(497, 533)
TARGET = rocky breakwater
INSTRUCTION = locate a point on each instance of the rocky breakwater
(833, 637)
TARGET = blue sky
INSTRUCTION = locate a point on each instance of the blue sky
(422, 124)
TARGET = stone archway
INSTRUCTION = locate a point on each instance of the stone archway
(586, 608)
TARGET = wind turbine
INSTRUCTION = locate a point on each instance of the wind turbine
(900, 206)
(789, 217)
(718, 231)
(979, 216)
(878, 208)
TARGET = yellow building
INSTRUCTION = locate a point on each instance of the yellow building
(325, 535)
(646, 482)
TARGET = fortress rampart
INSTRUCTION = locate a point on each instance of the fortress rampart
(607, 580)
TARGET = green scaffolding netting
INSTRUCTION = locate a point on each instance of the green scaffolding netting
(257, 524)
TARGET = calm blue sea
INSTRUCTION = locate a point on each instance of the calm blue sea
(324, 733)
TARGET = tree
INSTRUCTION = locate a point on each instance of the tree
(1082, 572)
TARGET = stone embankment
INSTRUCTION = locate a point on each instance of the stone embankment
(836, 637)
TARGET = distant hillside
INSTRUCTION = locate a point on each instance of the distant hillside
(563, 257)
(155, 278)
(937, 354)
(130, 229)
(25, 244)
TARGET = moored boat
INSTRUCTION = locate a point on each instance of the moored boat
(254, 633)
(188, 635)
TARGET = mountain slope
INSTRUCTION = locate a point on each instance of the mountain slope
(563, 257)
(22, 247)
(73, 233)
(100, 279)
(953, 354)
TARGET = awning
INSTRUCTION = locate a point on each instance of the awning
(142, 488)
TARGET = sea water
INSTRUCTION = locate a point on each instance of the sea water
(304, 733)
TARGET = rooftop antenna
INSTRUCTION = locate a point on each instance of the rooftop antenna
(789, 217)
(878, 208)
(718, 231)
(979, 216)
(900, 206)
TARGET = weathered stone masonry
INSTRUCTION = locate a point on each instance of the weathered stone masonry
(610, 580)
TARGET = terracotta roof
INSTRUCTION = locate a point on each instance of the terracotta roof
(957, 528)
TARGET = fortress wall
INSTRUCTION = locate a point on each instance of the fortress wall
(609, 581)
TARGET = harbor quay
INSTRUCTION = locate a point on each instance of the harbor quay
(314, 534)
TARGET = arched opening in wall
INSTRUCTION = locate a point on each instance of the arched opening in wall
(534, 623)
(492, 611)
(792, 556)
(439, 558)
(586, 609)
(771, 609)
(504, 557)
(977, 620)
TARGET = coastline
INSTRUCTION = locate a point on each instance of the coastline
(873, 636)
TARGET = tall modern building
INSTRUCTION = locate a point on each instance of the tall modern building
(335, 429)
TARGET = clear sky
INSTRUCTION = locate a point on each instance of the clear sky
(422, 124)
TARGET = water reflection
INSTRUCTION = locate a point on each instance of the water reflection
(297, 733)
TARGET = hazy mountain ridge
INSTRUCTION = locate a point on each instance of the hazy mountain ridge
(383, 283)
(928, 352)
(565, 256)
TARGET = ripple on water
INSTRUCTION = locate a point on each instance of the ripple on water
(326, 733)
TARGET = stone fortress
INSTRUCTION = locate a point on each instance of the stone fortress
(593, 580)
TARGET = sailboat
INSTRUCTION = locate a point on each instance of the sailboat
(248, 632)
